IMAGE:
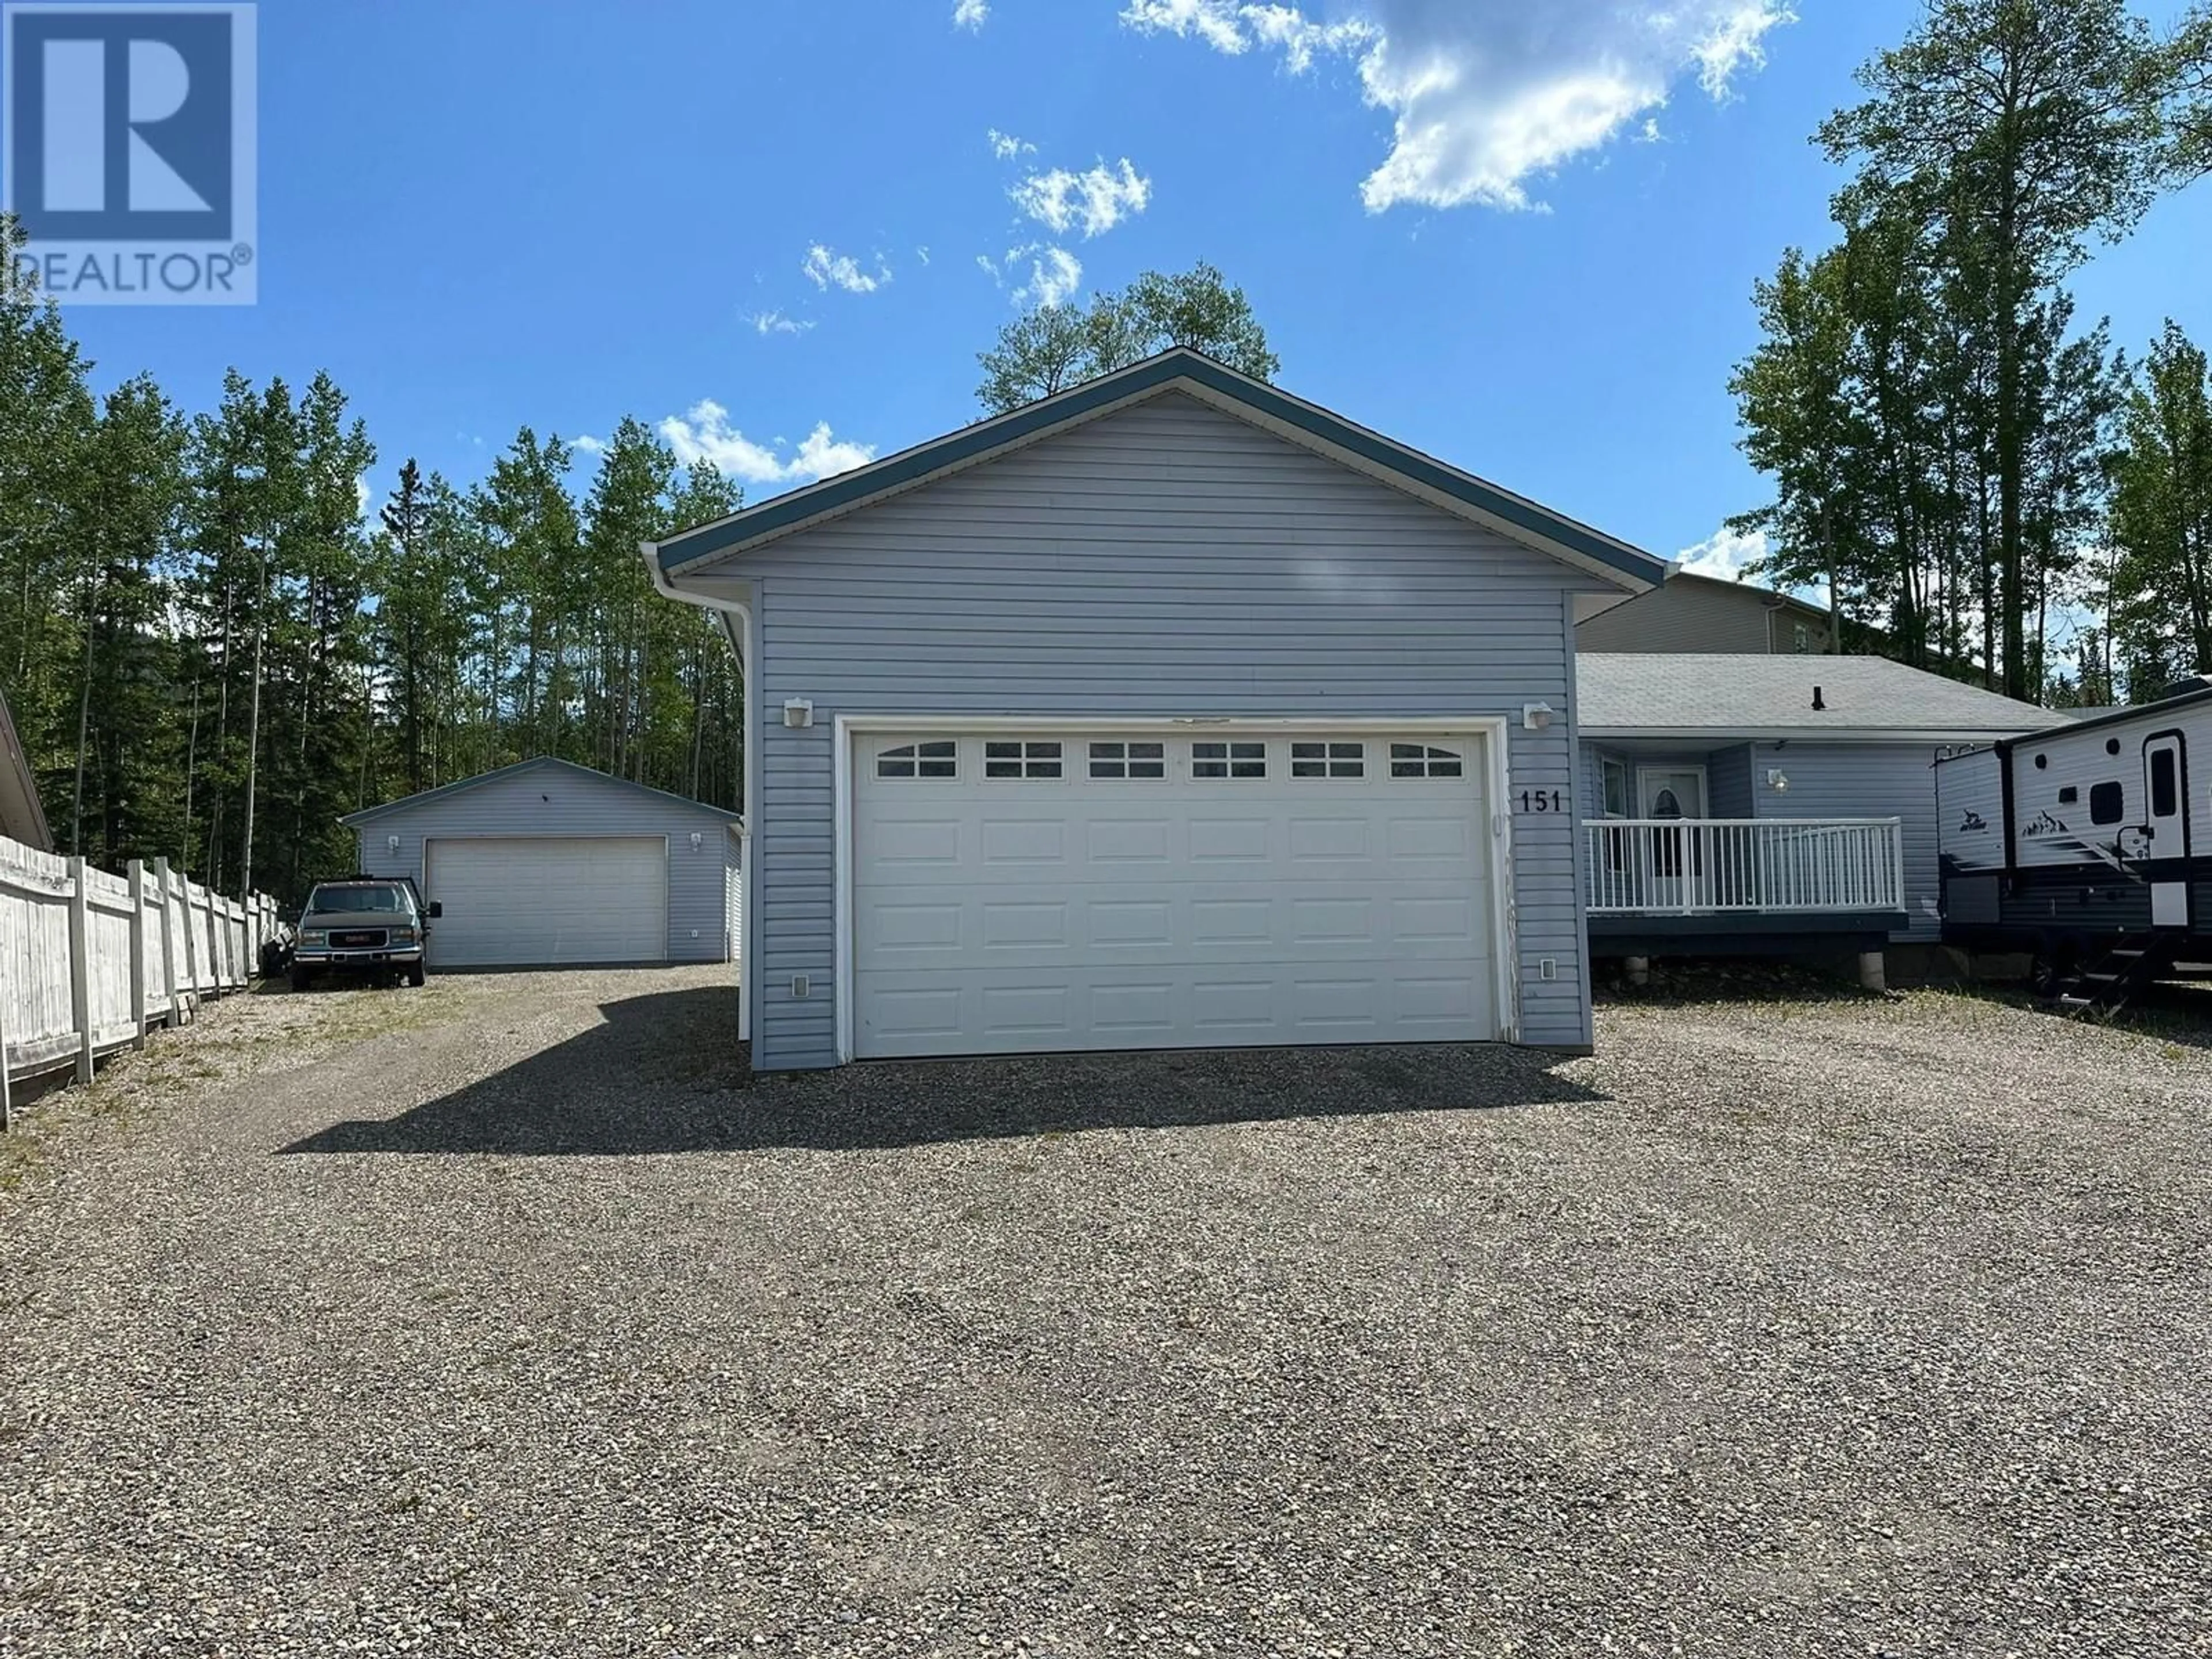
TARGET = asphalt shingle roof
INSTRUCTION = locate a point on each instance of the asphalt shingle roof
(1625, 692)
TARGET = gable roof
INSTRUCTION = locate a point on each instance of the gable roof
(369, 815)
(1726, 697)
(1178, 369)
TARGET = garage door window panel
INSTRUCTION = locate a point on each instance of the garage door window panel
(1421, 760)
(1329, 760)
(1233, 760)
(1129, 763)
(937, 759)
(1006, 759)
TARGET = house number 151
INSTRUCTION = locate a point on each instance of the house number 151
(1543, 800)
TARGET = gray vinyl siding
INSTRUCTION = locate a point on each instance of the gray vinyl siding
(1729, 783)
(555, 801)
(1167, 560)
(1866, 781)
(1680, 617)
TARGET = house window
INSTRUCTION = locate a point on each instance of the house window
(1129, 760)
(2165, 785)
(1420, 759)
(1329, 760)
(2108, 802)
(1229, 760)
(1021, 760)
(936, 759)
(1616, 788)
(1800, 639)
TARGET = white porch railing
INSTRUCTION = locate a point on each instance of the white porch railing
(1690, 866)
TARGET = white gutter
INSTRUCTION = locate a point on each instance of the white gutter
(742, 642)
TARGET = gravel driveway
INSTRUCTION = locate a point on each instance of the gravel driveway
(503, 1317)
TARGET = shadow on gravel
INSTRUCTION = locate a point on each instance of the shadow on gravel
(666, 1074)
(2177, 1011)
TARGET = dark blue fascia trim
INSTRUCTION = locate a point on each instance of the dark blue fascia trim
(682, 551)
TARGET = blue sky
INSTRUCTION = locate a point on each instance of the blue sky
(1522, 238)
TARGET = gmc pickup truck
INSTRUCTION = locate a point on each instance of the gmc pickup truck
(369, 924)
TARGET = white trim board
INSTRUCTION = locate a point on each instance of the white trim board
(1493, 730)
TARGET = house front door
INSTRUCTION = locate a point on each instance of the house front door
(1677, 857)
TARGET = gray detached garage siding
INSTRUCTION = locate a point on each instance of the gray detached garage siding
(1165, 560)
(554, 799)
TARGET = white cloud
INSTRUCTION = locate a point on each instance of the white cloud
(1098, 199)
(1055, 275)
(922, 254)
(704, 433)
(1006, 147)
(970, 14)
(1219, 23)
(1487, 97)
(1724, 554)
(585, 444)
(362, 496)
(774, 322)
(1727, 554)
(822, 268)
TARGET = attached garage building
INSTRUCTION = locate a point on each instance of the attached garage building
(547, 863)
(1170, 711)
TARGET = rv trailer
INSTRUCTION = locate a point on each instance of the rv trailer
(2089, 845)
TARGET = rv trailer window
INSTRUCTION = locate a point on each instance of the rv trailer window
(2106, 803)
(2165, 795)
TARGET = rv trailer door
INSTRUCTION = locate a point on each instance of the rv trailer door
(2167, 818)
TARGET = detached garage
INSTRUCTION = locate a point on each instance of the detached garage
(547, 863)
(1171, 711)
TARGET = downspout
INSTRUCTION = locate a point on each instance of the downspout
(737, 624)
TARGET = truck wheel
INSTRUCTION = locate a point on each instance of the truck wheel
(300, 979)
(416, 976)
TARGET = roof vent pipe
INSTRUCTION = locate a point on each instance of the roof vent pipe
(1818, 702)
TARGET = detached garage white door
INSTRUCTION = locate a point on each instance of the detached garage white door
(548, 901)
(1048, 893)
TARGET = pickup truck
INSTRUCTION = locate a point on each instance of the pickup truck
(374, 926)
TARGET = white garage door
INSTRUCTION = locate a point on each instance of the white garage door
(1132, 891)
(548, 901)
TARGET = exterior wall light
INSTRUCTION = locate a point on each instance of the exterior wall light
(1536, 716)
(1777, 780)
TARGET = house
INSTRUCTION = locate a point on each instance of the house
(22, 816)
(548, 864)
(1703, 614)
(1755, 803)
(1169, 711)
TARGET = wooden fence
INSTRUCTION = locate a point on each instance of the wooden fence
(90, 962)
